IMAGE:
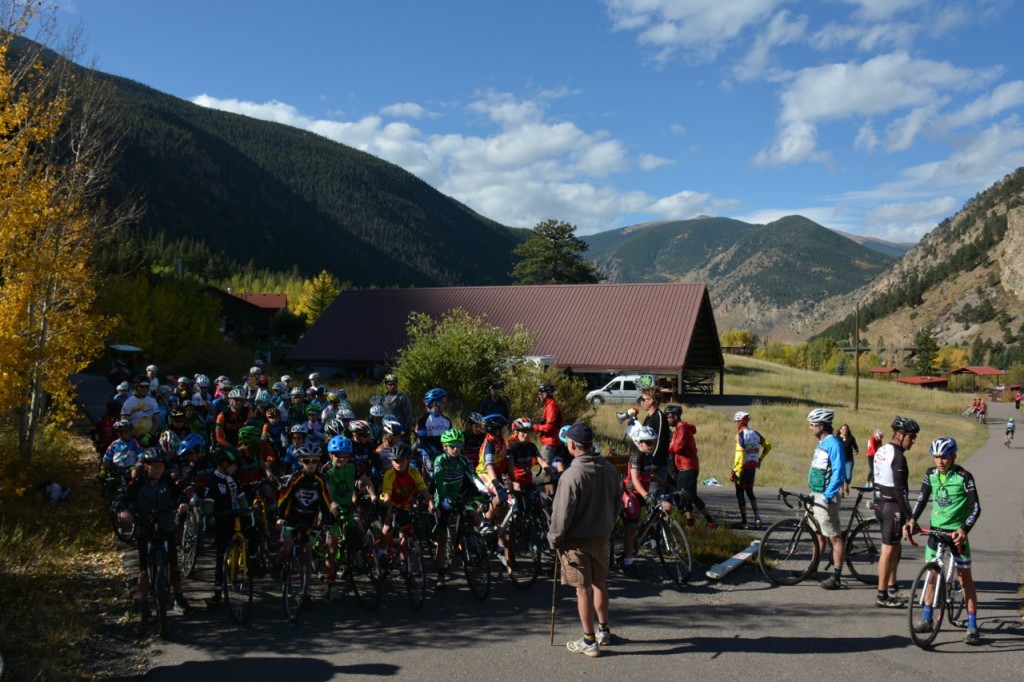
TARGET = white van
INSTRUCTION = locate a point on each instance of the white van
(620, 390)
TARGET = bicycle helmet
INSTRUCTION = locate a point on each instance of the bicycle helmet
(263, 398)
(193, 442)
(476, 418)
(643, 434)
(332, 397)
(122, 424)
(334, 427)
(390, 379)
(452, 437)
(285, 378)
(225, 455)
(562, 431)
(163, 390)
(152, 368)
(123, 386)
(226, 385)
(376, 411)
(905, 425)
(314, 376)
(255, 370)
(170, 442)
(177, 413)
(943, 447)
(236, 393)
(358, 426)
(498, 384)
(342, 394)
(522, 424)
(433, 395)
(278, 387)
(313, 408)
(339, 445)
(645, 381)
(674, 409)
(185, 381)
(820, 416)
(297, 392)
(152, 456)
(308, 450)
(346, 413)
(393, 427)
(1010, 420)
(399, 451)
(743, 417)
(299, 428)
(546, 387)
(202, 381)
(249, 435)
(495, 422)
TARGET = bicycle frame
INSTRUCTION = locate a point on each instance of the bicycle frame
(931, 589)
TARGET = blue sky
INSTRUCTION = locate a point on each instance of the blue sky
(877, 117)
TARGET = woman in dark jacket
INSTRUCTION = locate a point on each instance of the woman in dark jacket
(849, 452)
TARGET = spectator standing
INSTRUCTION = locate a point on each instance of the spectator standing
(495, 403)
(874, 443)
(1016, 399)
(396, 404)
(683, 450)
(850, 451)
(655, 420)
(825, 479)
(550, 421)
(586, 504)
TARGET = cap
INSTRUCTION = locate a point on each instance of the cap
(580, 433)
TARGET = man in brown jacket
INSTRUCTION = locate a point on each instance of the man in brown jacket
(587, 502)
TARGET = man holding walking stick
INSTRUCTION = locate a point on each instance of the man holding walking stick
(587, 502)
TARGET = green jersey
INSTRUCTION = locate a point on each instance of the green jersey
(954, 498)
(449, 475)
(341, 481)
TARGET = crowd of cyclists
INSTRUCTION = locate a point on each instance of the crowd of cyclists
(302, 450)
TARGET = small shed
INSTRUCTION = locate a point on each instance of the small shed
(926, 381)
(885, 372)
(976, 377)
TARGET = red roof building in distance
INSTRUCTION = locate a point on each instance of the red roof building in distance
(978, 371)
(591, 328)
(925, 381)
(884, 370)
(274, 303)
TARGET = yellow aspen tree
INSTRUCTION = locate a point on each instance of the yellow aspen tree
(317, 294)
(52, 168)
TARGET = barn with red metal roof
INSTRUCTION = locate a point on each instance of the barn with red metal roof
(666, 329)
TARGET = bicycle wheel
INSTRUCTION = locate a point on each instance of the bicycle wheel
(190, 540)
(789, 552)
(158, 585)
(294, 587)
(238, 591)
(955, 603)
(674, 551)
(364, 574)
(475, 562)
(929, 589)
(125, 532)
(415, 576)
(522, 553)
(863, 551)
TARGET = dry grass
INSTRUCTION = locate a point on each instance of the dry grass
(63, 584)
(780, 399)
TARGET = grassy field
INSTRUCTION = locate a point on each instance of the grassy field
(781, 397)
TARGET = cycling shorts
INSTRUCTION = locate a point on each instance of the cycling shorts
(891, 521)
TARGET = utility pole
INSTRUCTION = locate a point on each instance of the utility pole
(856, 360)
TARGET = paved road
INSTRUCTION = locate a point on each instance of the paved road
(739, 628)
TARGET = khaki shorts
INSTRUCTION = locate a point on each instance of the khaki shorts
(827, 518)
(584, 561)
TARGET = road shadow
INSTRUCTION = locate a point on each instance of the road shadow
(306, 669)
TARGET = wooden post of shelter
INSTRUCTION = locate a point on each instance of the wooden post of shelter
(856, 359)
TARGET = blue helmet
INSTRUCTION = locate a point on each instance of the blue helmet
(193, 442)
(943, 447)
(493, 422)
(339, 445)
(433, 395)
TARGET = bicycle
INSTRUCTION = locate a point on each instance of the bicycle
(789, 550)
(1009, 437)
(356, 558)
(191, 537)
(295, 573)
(409, 561)
(660, 534)
(238, 588)
(467, 546)
(930, 589)
(158, 562)
(115, 480)
(525, 530)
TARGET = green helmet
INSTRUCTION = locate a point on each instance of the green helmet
(249, 435)
(452, 437)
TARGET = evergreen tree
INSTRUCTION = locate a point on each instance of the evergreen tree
(927, 351)
(553, 254)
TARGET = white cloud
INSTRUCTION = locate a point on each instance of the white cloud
(780, 31)
(881, 9)
(900, 134)
(827, 216)
(866, 37)
(907, 222)
(701, 27)
(1003, 97)
(866, 138)
(527, 169)
(405, 110)
(880, 85)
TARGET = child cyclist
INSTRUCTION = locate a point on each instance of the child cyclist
(223, 501)
(451, 472)
(493, 468)
(399, 489)
(955, 508)
(341, 482)
(643, 482)
(153, 499)
(302, 499)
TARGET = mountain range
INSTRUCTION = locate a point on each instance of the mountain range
(223, 190)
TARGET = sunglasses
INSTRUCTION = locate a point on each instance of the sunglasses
(309, 460)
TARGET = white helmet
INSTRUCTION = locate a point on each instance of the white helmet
(640, 434)
(820, 416)
(376, 410)
(124, 386)
(152, 368)
(314, 376)
(202, 381)
(741, 417)
(255, 370)
(286, 378)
